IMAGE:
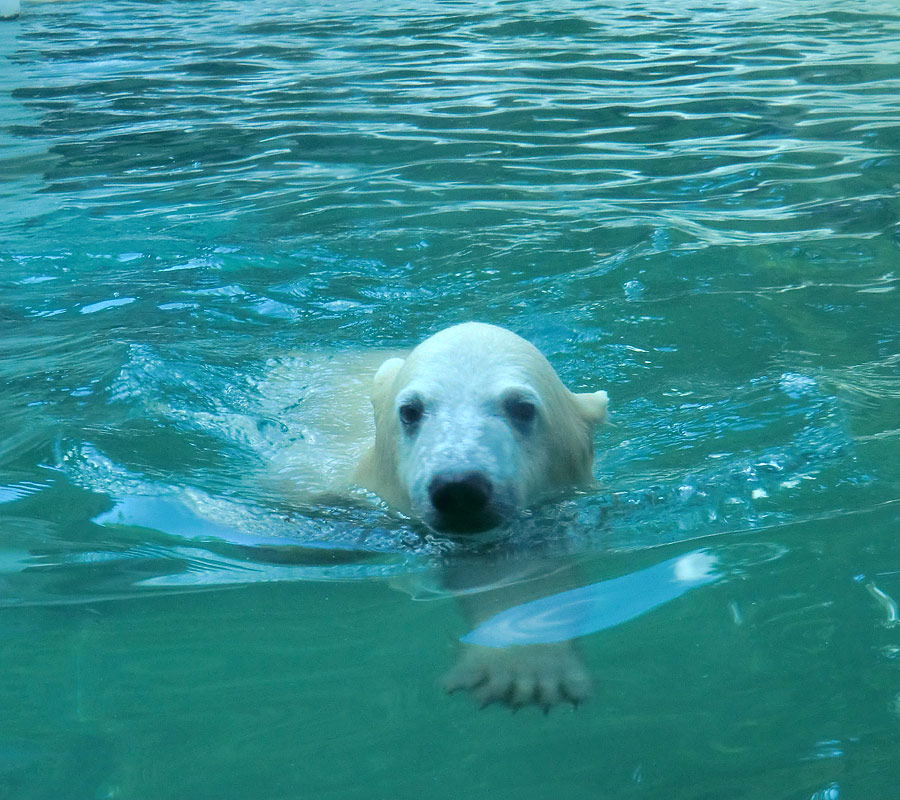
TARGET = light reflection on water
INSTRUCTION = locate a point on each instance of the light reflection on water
(597, 606)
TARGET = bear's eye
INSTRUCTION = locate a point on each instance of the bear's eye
(521, 411)
(411, 412)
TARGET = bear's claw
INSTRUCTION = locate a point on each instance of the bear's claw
(544, 675)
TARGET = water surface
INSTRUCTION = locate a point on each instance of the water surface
(694, 207)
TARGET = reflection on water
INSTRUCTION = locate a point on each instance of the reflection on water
(593, 608)
(176, 519)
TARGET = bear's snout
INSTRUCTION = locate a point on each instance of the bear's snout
(462, 502)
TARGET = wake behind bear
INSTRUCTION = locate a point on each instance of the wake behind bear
(473, 426)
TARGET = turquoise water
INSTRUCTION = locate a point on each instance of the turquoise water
(692, 206)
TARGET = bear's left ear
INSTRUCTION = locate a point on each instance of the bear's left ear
(593, 406)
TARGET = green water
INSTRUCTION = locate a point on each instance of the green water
(693, 206)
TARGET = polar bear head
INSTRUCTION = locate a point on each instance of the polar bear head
(473, 425)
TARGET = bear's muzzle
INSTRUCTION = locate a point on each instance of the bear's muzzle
(461, 502)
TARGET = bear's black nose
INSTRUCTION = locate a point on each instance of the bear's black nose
(461, 500)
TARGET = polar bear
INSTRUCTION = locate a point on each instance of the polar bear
(471, 427)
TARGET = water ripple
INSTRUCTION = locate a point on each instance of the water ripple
(700, 120)
(695, 207)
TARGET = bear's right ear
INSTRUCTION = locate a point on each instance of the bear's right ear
(384, 379)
